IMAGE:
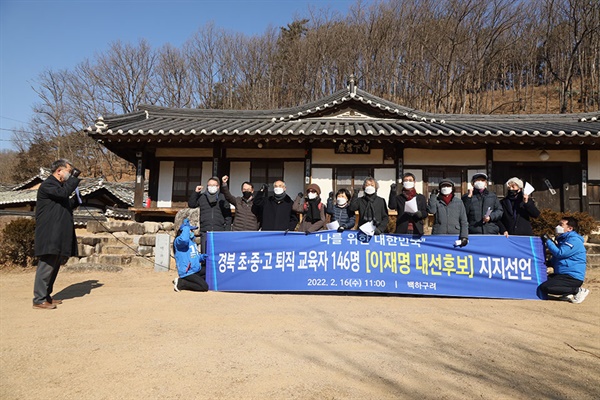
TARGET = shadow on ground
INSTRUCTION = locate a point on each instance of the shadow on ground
(78, 289)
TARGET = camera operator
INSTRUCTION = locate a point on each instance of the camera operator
(55, 238)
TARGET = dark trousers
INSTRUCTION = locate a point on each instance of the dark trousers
(195, 282)
(560, 284)
(45, 275)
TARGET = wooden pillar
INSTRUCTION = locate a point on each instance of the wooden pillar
(138, 199)
(585, 201)
(489, 161)
(307, 166)
(217, 156)
(399, 163)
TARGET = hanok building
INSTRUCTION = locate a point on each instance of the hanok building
(339, 140)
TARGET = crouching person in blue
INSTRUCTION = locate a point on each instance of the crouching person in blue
(568, 260)
(189, 261)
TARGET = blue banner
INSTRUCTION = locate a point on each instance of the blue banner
(489, 266)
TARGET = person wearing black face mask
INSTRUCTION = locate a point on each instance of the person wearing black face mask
(245, 219)
(518, 209)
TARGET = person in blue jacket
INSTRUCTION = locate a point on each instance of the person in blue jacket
(191, 272)
(569, 262)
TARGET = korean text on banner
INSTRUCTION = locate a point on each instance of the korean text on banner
(490, 266)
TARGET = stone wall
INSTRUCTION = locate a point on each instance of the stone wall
(119, 242)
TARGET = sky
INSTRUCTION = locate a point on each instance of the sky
(40, 35)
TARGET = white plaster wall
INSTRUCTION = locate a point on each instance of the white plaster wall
(328, 156)
(206, 172)
(444, 157)
(239, 172)
(265, 153)
(385, 177)
(534, 155)
(165, 184)
(293, 175)
(192, 152)
(323, 178)
(594, 164)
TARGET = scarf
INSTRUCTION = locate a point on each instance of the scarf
(312, 210)
(212, 198)
(279, 197)
(513, 206)
(447, 198)
(369, 211)
(409, 193)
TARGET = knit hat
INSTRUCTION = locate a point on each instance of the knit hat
(446, 182)
(314, 187)
(479, 175)
(516, 181)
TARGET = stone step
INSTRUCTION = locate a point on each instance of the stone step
(592, 248)
(93, 240)
(593, 260)
(110, 259)
(119, 249)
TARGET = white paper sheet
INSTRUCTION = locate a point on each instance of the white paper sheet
(528, 189)
(411, 206)
(332, 226)
(488, 212)
(368, 228)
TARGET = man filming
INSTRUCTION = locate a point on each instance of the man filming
(55, 239)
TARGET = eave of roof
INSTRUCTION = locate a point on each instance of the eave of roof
(315, 119)
(122, 191)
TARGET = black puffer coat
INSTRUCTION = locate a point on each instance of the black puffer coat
(215, 216)
(476, 208)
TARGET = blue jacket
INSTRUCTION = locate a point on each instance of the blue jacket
(568, 257)
(187, 257)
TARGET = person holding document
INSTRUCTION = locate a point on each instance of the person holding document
(370, 207)
(482, 206)
(410, 205)
(340, 211)
(450, 217)
(518, 208)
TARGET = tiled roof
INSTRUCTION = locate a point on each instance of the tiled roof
(122, 191)
(353, 114)
(41, 176)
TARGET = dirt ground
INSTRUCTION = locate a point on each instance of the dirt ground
(128, 335)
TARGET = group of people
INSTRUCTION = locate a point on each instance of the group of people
(478, 212)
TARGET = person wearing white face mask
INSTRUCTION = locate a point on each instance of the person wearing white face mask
(275, 212)
(370, 207)
(409, 222)
(340, 211)
(450, 217)
(569, 263)
(312, 210)
(215, 210)
(482, 207)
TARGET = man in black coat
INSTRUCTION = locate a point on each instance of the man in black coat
(215, 210)
(55, 238)
(275, 211)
